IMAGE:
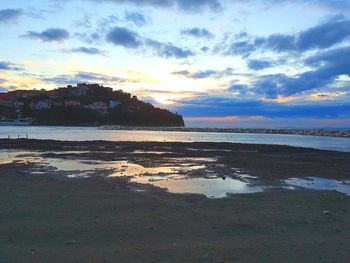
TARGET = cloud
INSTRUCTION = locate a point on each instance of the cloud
(10, 15)
(322, 36)
(328, 66)
(196, 75)
(88, 37)
(90, 77)
(167, 50)
(243, 48)
(335, 61)
(87, 51)
(184, 73)
(7, 88)
(225, 118)
(202, 74)
(84, 77)
(185, 5)
(257, 64)
(5, 65)
(197, 32)
(275, 42)
(272, 86)
(263, 122)
(334, 5)
(137, 18)
(240, 88)
(119, 36)
(216, 106)
(85, 21)
(49, 35)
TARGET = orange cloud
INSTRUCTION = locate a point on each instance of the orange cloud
(326, 96)
(281, 99)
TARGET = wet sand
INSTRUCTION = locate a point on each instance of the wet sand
(101, 219)
(265, 161)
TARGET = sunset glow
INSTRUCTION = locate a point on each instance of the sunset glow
(204, 59)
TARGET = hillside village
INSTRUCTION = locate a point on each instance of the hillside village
(84, 104)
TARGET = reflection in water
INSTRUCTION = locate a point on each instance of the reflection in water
(94, 133)
(15, 156)
(124, 168)
(150, 152)
(317, 183)
(215, 187)
(72, 165)
(182, 175)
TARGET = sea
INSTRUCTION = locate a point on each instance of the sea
(96, 133)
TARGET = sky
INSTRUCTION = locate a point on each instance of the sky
(219, 63)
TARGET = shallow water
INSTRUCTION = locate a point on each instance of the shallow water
(181, 175)
(316, 183)
(9, 156)
(213, 187)
(94, 133)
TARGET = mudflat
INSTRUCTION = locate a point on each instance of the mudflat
(265, 161)
(47, 218)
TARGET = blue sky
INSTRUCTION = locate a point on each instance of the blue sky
(220, 63)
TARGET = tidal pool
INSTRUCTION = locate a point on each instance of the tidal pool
(176, 175)
(317, 183)
(210, 187)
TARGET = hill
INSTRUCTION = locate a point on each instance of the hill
(84, 104)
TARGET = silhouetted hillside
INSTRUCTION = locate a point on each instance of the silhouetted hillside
(85, 104)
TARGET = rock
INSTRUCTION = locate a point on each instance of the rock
(326, 212)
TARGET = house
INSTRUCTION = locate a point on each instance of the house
(57, 104)
(5, 96)
(71, 104)
(40, 105)
(81, 90)
(52, 94)
(114, 104)
(26, 94)
(17, 94)
(19, 106)
(98, 106)
(62, 92)
(6, 103)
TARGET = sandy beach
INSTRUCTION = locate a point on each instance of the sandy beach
(48, 217)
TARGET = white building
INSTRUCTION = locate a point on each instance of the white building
(114, 104)
(40, 105)
(81, 90)
(98, 106)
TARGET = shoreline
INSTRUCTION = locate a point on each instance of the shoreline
(324, 132)
(265, 161)
(343, 133)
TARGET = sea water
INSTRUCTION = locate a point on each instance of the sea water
(95, 133)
